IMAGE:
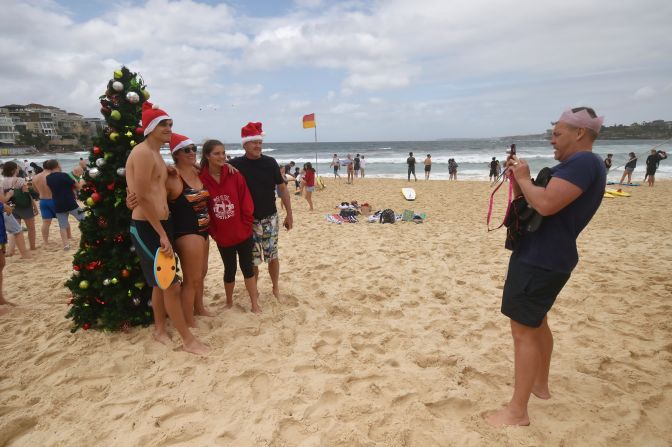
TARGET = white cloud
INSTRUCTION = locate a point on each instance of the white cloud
(645, 93)
(344, 108)
(331, 95)
(243, 90)
(296, 104)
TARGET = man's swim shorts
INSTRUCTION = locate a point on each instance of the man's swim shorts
(146, 242)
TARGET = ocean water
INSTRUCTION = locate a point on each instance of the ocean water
(387, 159)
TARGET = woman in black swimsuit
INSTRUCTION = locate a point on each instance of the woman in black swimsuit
(188, 204)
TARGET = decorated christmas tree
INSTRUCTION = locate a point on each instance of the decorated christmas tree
(108, 288)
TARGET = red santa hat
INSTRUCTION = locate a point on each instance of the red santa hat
(252, 132)
(151, 117)
(178, 142)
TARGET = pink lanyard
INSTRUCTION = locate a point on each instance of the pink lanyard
(508, 204)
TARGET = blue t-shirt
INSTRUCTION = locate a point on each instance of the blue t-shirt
(61, 185)
(553, 245)
(3, 232)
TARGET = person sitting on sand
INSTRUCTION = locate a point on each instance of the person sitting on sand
(542, 261)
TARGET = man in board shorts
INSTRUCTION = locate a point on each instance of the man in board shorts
(262, 175)
(47, 207)
(146, 174)
(542, 261)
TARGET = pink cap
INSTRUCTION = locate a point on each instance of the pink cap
(581, 119)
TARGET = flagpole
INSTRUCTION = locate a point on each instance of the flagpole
(316, 172)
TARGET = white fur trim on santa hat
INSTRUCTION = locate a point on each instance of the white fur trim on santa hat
(182, 144)
(259, 137)
(155, 122)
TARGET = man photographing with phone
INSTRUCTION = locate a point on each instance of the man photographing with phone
(542, 261)
(262, 175)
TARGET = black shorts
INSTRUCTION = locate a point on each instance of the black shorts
(146, 242)
(529, 292)
(428, 168)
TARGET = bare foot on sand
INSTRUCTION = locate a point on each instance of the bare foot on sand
(276, 294)
(4, 302)
(505, 416)
(196, 347)
(229, 304)
(256, 309)
(162, 337)
(541, 392)
(204, 313)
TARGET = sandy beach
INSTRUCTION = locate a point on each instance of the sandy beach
(391, 335)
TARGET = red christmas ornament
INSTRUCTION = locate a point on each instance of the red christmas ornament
(76, 267)
(96, 197)
(139, 131)
(111, 186)
(102, 222)
(125, 273)
(94, 265)
(97, 150)
(86, 326)
(125, 326)
(119, 238)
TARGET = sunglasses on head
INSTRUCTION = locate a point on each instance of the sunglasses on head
(189, 149)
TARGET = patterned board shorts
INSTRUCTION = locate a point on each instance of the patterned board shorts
(265, 239)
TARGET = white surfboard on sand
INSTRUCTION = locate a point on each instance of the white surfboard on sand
(408, 193)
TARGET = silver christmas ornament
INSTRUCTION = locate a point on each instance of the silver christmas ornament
(121, 172)
(94, 172)
(132, 97)
(106, 282)
(100, 162)
(136, 301)
(117, 86)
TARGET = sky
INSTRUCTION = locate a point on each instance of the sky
(378, 70)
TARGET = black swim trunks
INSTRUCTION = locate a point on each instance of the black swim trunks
(529, 292)
(146, 242)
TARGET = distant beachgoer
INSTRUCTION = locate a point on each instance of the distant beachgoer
(262, 175)
(452, 169)
(410, 161)
(351, 170)
(629, 167)
(336, 164)
(25, 208)
(652, 162)
(608, 162)
(63, 188)
(357, 165)
(3, 244)
(231, 219)
(288, 167)
(362, 166)
(297, 181)
(309, 182)
(428, 166)
(542, 261)
(494, 165)
(35, 168)
(47, 209)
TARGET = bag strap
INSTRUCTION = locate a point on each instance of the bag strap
(508, 204)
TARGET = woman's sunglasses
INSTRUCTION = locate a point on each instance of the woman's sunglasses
(189, 149)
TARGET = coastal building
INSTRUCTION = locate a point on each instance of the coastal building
(7, 132)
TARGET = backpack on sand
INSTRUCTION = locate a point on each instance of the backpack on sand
(387, 216)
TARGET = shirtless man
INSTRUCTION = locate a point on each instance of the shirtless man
(146, 174)
(47, 209)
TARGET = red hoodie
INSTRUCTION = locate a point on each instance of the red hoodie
(230, 207)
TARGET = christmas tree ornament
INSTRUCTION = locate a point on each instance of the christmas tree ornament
(75, 273)
(110, 186)
(125, 273)
(94, 172)
(132, 249)
(139, 130)
(84, 284)
(96, 197)
(102, 222)
(118, 74)
(125, 326)
(109, 155)
(129, 134)
(96, 150)
(90, 202)
(117, 86)
(100, 162)
(87, 213)
(132, 143)
(114, 281)
(121, 172)
(106, 282)
(139, 285)
(86, 326)
(114, 136)
(132, 97)
(145, 94)
(115, 115)
(136, 301)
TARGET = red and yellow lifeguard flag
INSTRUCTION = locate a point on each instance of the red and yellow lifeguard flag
(308, 121)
